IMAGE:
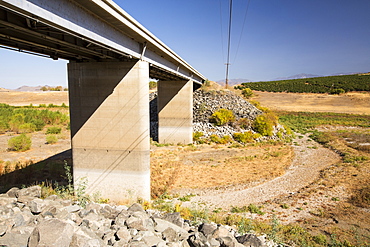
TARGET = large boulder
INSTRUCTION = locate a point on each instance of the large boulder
(51, 233)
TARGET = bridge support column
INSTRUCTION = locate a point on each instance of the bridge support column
(109, 110)
(175, 112)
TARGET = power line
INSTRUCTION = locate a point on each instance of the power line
(228, 46)
(222, 36)
(241, 33)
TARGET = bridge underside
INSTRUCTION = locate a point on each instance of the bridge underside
(111, 58)
(23, 34)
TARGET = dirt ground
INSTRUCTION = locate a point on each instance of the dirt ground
(353, 102)
(301, 183)
(204, 168)
(35, 98)
(40, 150)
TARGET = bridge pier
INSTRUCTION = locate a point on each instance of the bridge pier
(175, 111)
(109, 110)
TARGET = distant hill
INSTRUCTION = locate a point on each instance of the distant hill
(39, 88)
(28, 89)
(5, 90)
(298, 76)
(233, 82)
(304, 75)
(351, 73)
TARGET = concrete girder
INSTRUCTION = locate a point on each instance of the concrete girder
(102, 23)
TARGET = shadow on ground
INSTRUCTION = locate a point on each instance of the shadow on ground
(50, 171)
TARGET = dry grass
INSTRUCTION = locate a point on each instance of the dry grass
(339, 200)
(353, 102)
(25, 98)
(217, 166)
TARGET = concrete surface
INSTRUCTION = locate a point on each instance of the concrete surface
(109, 107)
(175, 112)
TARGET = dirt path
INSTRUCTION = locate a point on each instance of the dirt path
(310, 159)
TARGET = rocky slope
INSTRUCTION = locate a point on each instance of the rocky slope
(27, 220)
(205, 103)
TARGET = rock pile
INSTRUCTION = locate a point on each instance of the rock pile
(27, 220)
(205, 103)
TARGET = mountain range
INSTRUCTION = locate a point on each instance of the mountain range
(25, 88)
(233, 82)
(298, 76)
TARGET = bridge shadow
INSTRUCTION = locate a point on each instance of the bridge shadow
(50, 171)
(153, 111)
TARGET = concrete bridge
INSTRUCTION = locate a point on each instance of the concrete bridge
(111, 58)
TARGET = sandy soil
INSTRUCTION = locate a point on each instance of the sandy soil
(35, 98)
(310, 158)
(40, 150)
(205, 168)
(355, 103)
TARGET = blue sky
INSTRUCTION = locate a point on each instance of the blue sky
(279, 39)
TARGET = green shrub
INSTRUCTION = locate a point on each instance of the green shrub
(337, 91)
(27, 128)
(226, 139)
(320, 239)
(322, 137)
(247, 93)
(39, 124)
(246, 137)
(53, 130)
(254, 209)
(16, 121)
(222, 117)
(3, 127)
(20, 143)
(215, 138)
(152, 84)
(236, 209)
(221, 140)
(197, 135)
(51, 139)
(264, 123)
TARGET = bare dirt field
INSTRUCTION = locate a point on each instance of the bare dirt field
(354, 102)
(35, 98)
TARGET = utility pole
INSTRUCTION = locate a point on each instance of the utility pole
(228, 47)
